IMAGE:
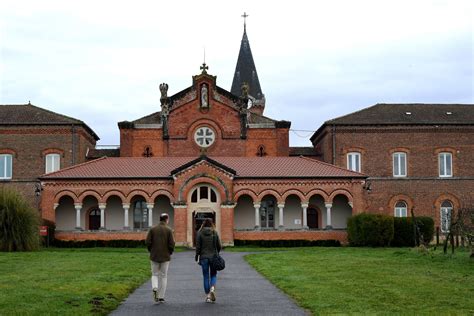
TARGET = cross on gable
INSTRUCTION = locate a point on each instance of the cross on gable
(147, 153)
(204, 68)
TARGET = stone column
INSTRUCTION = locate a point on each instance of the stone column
(102, 215)
(280, 215)
(328, 215)
(150, 206)
(126, 207)
(305, 215)
(257, 215)
(78, 207)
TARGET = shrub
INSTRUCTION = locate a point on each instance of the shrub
(19, 223)
(404, 233)
(116, 243)
(370, 230)
(288, 243)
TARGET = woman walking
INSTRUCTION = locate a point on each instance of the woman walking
(208, 244)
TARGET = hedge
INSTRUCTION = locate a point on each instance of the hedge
(372, 230)
(288, 243)
(116, 243)
(404, 235)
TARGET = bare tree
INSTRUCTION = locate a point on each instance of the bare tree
(461, 224)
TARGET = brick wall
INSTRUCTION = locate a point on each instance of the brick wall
(422, 188)
(31, 144)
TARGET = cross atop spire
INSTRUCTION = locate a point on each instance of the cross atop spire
(245, 15)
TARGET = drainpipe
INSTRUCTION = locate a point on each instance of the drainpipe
(334, 144)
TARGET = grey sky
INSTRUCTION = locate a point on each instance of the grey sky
(102, 61)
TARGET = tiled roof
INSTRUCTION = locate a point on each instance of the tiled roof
(28, 114)
(97, 153)
(162, 167)
(303, 151)
(154, 118)
(415, 113)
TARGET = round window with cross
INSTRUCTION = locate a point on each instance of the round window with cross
(204, 136)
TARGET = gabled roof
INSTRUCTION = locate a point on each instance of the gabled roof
(245, 71)
(95, 153)
(28, 114)
(165, 167)
(407, 114)
(203, 158)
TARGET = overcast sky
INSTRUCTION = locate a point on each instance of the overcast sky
(102, 62)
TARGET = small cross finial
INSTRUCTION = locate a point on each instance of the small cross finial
(29, 103)
(204, 68)
(245, 15)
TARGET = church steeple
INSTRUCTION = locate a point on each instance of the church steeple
(245, 71)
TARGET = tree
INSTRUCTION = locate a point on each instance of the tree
(19, 223)
(461, 224)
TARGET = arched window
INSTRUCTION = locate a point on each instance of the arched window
(6, 166)
(204, 193)
(401, 209)
(261, 151)
(52, 162)
(445, 215)
(140, 214)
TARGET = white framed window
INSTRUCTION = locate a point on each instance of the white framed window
(401, 209)
(445, 216)
(204, 193)
(353, 161)
(6, 161)
(52, 162)
(399, 164)
(445, 164)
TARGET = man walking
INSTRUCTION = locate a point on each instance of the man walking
(160, 243)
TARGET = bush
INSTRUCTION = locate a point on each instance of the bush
(370, 230)
(19, 223)
(404, 233)
(117, 243)
(288, 243)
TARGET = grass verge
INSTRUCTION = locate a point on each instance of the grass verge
(372, 280)
(70, 281)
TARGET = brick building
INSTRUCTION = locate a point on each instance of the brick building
(417, 156)
(34, 141)
(208, 152)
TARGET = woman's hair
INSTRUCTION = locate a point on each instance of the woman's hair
(208, 223)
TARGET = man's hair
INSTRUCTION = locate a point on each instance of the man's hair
(164, 217)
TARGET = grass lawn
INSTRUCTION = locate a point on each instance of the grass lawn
(69, 281)
(371, 280)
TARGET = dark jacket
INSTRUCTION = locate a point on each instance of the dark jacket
(160, 242)
(207, 242)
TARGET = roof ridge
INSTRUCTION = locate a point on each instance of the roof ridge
(74, 166)
(352, 113)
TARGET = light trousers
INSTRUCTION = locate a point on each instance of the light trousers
(159, 276)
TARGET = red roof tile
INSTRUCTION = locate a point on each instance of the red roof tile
(161, 167)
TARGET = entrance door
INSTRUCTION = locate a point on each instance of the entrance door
(312, 218)
(198, 219)
(267, 214)
(94, 219)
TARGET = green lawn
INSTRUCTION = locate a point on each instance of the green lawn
(69, 281)
(372, 281)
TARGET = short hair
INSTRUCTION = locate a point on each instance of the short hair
(164, 217)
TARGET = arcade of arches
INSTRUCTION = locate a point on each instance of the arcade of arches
(241, 208)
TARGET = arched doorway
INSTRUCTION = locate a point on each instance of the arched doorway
(312, 217)
(94, 219)
(203, 203)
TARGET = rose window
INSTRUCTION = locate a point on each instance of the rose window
(204, 136)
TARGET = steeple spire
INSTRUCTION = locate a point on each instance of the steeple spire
(245, 71)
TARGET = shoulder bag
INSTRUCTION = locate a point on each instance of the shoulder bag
(217, 262)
